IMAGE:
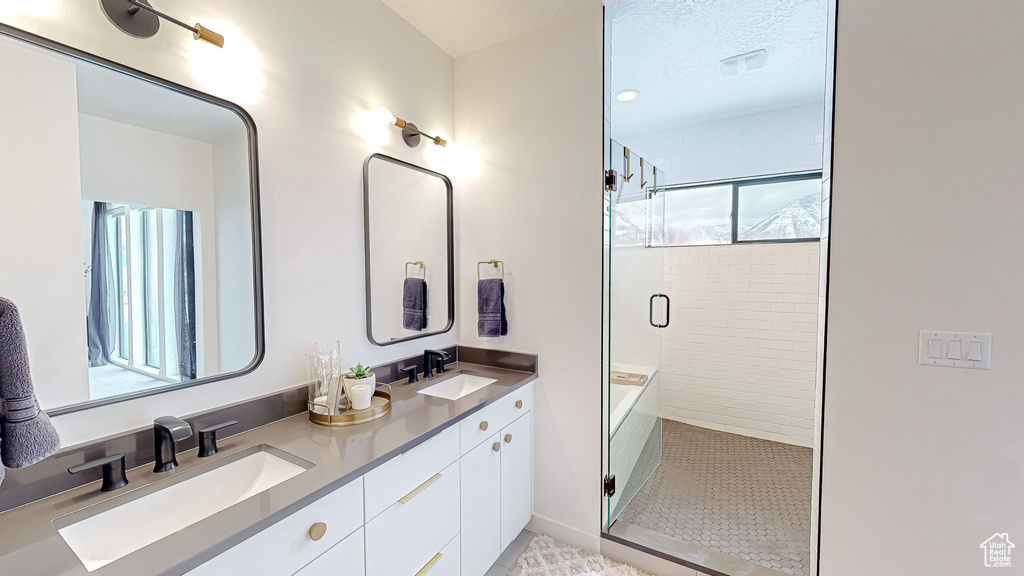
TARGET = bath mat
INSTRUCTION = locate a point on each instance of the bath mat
(545, 556)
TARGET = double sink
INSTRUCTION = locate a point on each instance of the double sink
(115, 528)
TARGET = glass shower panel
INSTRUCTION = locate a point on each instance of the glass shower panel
(637, 313)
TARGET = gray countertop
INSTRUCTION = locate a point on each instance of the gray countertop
(31, 546)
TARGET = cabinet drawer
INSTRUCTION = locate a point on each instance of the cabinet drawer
(344, 559)
(404, 538)
(496, 416)
(392, 480)
(287, 546)
(517, 403)
(447, 563)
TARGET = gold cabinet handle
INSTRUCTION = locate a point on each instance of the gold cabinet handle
(483, 425)
(508, 438)
(317, 531)
(425, 569)
(519, 404)
(420, 488)
(496, 447)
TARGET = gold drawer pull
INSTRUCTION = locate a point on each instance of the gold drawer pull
(317, 531)
(508, 438)
(519, 404)
(496, 447)
(420, 488)
(483, 425)
(425, 569)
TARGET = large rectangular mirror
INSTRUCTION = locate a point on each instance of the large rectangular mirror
(409, 242)
(130, 226)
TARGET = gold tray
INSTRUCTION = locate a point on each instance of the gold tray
(380, 405)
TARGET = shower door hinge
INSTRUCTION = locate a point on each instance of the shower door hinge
(611, 180)
(609, 485)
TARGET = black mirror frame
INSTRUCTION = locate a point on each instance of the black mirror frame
(366, 247)
(254, 188)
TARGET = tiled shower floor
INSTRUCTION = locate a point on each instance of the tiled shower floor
(740, 496)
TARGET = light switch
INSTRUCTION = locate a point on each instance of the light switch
(975, 351)
(955, 350)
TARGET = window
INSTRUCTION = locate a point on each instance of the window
(147, 252)
(784, 208)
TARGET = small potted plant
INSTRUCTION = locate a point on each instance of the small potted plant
(359, 375)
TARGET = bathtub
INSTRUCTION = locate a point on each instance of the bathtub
(633, 423)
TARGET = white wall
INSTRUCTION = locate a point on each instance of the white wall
(303, 75)
(773, 142)
(41, 192)
(126, 164)
(739, 353)
(236, 321)
(532, 106)
(921, 465)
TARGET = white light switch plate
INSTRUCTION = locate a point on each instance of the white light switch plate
(936, 349)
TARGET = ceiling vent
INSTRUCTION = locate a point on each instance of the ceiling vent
(743, 63)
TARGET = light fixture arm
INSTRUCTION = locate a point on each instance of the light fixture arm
(198, 32)
(411, 134)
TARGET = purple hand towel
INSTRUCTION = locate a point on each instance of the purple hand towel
(490, 307)
(26, 434)
(414, 304)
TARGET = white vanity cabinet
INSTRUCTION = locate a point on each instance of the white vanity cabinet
(447, 507)
(343, 559)
(286, 547)
(497, 479)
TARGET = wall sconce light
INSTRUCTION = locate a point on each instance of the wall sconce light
(411, 134)
(137, 18)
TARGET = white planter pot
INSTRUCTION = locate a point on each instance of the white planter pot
(348, 383)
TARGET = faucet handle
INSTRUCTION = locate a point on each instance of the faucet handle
(113, 471)
(410, 371)
(208, 438)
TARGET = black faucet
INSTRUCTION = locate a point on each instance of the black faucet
(166, 431)
(428, 362)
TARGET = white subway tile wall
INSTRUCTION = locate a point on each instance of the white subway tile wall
(739, 355)
(775, 142)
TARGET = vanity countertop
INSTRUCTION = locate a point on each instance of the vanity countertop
(31, 546)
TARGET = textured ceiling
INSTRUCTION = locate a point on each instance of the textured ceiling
(460, 27)
(670, 51)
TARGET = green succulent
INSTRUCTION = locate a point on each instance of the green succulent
(359, 372)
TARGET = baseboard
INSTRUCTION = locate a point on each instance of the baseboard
(561, 532)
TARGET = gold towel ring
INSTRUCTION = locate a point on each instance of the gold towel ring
(420, 264)
(494, 263)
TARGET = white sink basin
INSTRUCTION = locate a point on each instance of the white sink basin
(457, 386)
(140, 521)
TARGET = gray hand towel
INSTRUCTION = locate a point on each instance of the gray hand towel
(414, 304)
(25, 431)
(490, 307)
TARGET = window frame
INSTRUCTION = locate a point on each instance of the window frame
(129, 357)
(736, 184)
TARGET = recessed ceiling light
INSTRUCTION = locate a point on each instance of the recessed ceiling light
(627, 95)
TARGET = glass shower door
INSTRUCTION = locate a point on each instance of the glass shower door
(637, 313)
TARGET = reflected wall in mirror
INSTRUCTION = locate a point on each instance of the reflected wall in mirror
(410, 287)
(148, 191)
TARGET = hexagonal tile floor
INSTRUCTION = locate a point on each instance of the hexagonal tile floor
(745, 497)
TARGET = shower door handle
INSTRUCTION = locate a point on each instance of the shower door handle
(668, 314)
